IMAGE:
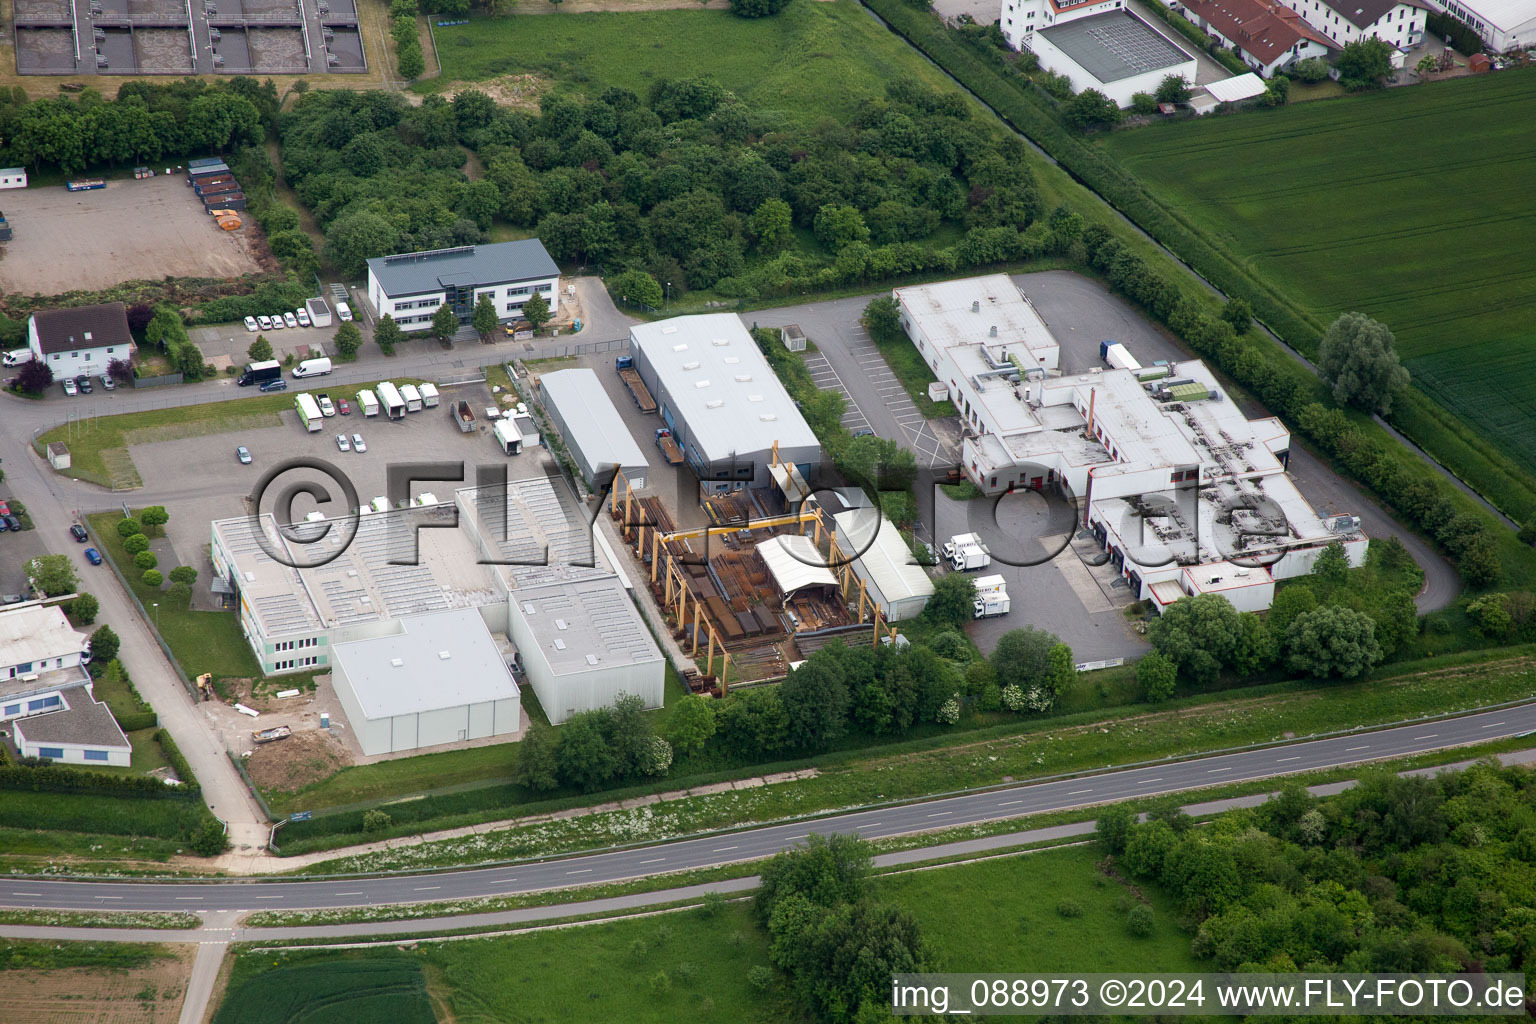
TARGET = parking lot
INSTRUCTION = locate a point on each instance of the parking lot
(17, 549)
(132, 229)
(200, 480)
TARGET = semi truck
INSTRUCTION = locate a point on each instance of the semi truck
(260, 373)
(631, 377)
(367, 402)
(668, 445)
(390, 402)
(309, 412)
(412, 397)
(965, 552)
(1117, 356)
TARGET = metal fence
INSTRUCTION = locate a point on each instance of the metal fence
(160, 381)
(546, 350)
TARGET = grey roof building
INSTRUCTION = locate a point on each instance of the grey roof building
(591, 426)
(411, 287)
(82, 732)
(721, 400)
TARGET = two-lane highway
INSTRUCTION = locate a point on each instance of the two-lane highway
(946, 812)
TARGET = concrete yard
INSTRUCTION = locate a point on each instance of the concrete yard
(130, 230)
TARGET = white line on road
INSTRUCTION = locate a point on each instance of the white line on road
(940, 814)
(1213, 771)
(26, 894)
(109, 897)
(427, 888)
(267, 897)
(178, 897)
(1351, 749)
(583, 871)
(1010, 803)
(1429, 737)
(1282, 760)
(346, 894)
(653, 860)
(1144, 782)
(1077, 792)
(1492, 725)
(723, 849)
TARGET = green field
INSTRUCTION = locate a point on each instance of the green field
(333, 990)
(1411, 205)
(814, 60)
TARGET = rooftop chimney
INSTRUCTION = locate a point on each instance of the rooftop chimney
(976, 306)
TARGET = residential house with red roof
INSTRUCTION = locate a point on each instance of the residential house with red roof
(1268, 36)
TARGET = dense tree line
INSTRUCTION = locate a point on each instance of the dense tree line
(148, 123)
(1396, 874)
(687, 185)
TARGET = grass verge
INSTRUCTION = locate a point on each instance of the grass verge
(86, 919)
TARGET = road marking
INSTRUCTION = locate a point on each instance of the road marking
(427, 888)
(1350, 749)
(1282, 760)
(502, 881)
(723, 849)
(178, 897)
(1429, 737)
(1076, 792)
(872, 824)
(1492, 725)
(1144, 782)
(268, 897)
(26, 894)
(1213, 771)
(109, 897)
(583, 871)
(802, 835)
(346, 894)
(940, 814)
(653, 860)
(1010, 803)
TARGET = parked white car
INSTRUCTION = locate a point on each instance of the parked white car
(357, 443)
(303, 315)
(277, 323)
(326, 408)
(342, 443)
(290, 320)
(251, 324)
(69, 387)
(265, 322)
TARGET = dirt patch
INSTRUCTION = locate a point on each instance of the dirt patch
(521, 91)
(146, 995)
(298, 761)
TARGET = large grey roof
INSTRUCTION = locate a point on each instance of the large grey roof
(472, 672)
(592, 424)
(84, 721)
(586, 625)
(499, 263)
(721, 385)
(1115, 45)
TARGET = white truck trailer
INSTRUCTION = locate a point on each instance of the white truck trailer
(368, 402)
(412, 397)
(309, 412)
(390, 402)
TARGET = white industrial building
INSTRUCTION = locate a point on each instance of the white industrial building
(400, 586)
(722, 401)
(1398, 22)
(1503, 25)
(591, 427)
(46, 697)
(1099, 45)
(438, 678)
(1170, 476)
(882, 562)
(411, 287)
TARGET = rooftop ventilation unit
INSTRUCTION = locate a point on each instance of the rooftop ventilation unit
(714, 403)
(743, 378)
(443, 655)
(669, 330)
(396, 662)
(559, 644)
(701, 383)
(681, 346)
(976, 306)
(591, 659)
(721, 342)
(691, 366)
(559, 623)
(993, 332)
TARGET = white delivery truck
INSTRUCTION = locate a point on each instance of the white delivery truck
(313, 367)
(17, 356)
(965, 552)
(390, 402)
(412, 397)
(367, 402)
(991, 604)
(428, 396)
(309, 412)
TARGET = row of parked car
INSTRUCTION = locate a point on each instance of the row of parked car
(298, 318)
(81, 385)
(8, 521)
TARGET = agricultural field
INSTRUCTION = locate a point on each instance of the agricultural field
(344, 989)
(1424, 225)
(104, 983)
(814, 60)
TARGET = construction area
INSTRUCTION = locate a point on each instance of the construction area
(173, 37)
(750, 597)
(129, 230)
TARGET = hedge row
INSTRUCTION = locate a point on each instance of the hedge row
(137, 720)
(183, 770)
(51, 778)
(1279, 387)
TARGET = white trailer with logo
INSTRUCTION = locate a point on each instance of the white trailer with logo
(309, 412)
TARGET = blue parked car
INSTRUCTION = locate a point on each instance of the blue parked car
(93, 556)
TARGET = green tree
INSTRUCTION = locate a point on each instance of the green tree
(815, 701)
(445, 323)
(1363, 63)
(882, 319)
(1331, 570)
(1238, 313)
(1312, 70)
(1293, 600)
(1332, 642)
(1022, 658)
(34, 376)
(387, 334)
(1174, 89)
(1358, 358)
(1114, 827)
(83, 609)
(1198, 634)
(838, 225)
(1144, 103)
(260, 350)
(104, 644)
(1157, 676)
(376, 821)
(1277, 91)
(485, 320)
(146, 560)
(692, 725)
(348, 340)
(953, 602)
(827, 871)
(1427, 64)
(53, 574)
(772, 226)
(586, 758)
(538, 760)
(154, 517)
(757, 8)
(135, 544)
(1090, 109)
(153, 578)
(636, 287)
(208, 838)
(536, 311)
(354, 238)
(413, 63)
(183, 574)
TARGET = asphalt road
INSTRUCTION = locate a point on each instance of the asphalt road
(971, 808)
